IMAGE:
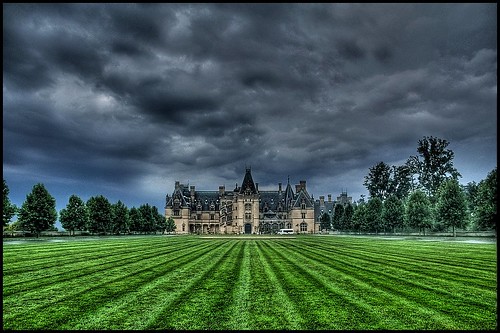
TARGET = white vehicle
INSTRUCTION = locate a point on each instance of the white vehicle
(285, 232)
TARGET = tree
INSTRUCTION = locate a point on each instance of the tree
(418, 211)
(486, 210)
(401, 181)
(393, 213)
(325, 221)
(100, 215)
(75, 216)
(373, 216)
(359, 217)
(451, 208)
(149, 220)
(436, 164)
(338, 213)
(9, 209)
(121, 219)
(38, 213)
(378, 180)
(160, 220)
(348, 216)
(136, 220)
(170, 225)
(471, 196)
(414, 168)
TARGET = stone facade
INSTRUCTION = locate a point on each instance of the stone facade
(244, 210)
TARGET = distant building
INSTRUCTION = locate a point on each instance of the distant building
(245, 209)
(321, 206)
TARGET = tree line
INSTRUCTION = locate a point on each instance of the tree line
(422, 194)
(96, 216)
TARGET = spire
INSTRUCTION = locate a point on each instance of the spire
(288, 194)
(248, 183)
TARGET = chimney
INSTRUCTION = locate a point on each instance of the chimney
(303, 184)
(177, 184)
(329, 198)
(279, 187)
(321, 200)
(222, 189)
(297, 188)
(257, 187)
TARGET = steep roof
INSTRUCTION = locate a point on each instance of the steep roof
(289, 195)
(248, 183)
(206, 199)
(271, 201)
(181, 193)
(302, 195)
(327, 207)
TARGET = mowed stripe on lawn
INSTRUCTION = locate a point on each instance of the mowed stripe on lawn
(302, 283)
(51, 305)
(430, 304)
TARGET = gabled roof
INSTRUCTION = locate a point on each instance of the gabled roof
(303, 196)
(182, 193)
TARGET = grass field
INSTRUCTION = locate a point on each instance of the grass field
(303, 282)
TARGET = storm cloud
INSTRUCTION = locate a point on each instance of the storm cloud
(125, 99)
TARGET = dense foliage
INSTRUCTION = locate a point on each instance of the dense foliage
(121, 219)
(325, 222)
(447, 205)
(451, 208)
(100, 215)
(75, 216)
(393, 213)
(38, 213)
(418, 211)
(486, 208)
(8, 209)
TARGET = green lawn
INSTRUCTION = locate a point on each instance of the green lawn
(302, 282)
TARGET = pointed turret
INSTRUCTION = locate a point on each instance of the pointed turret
(248, 185)
(288, 194)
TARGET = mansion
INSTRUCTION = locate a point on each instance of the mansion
(246, 209)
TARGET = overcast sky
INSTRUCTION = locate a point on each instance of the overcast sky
(123, 100)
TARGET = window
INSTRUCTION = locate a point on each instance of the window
(183, 227)
(248, 206)
(212, 216)
(303, 226)
(176, 212)
(303, 215)
(303, 206)
(248, 216)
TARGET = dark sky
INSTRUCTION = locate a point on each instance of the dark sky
(123, 100)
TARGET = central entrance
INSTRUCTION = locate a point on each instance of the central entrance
(248, 228)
